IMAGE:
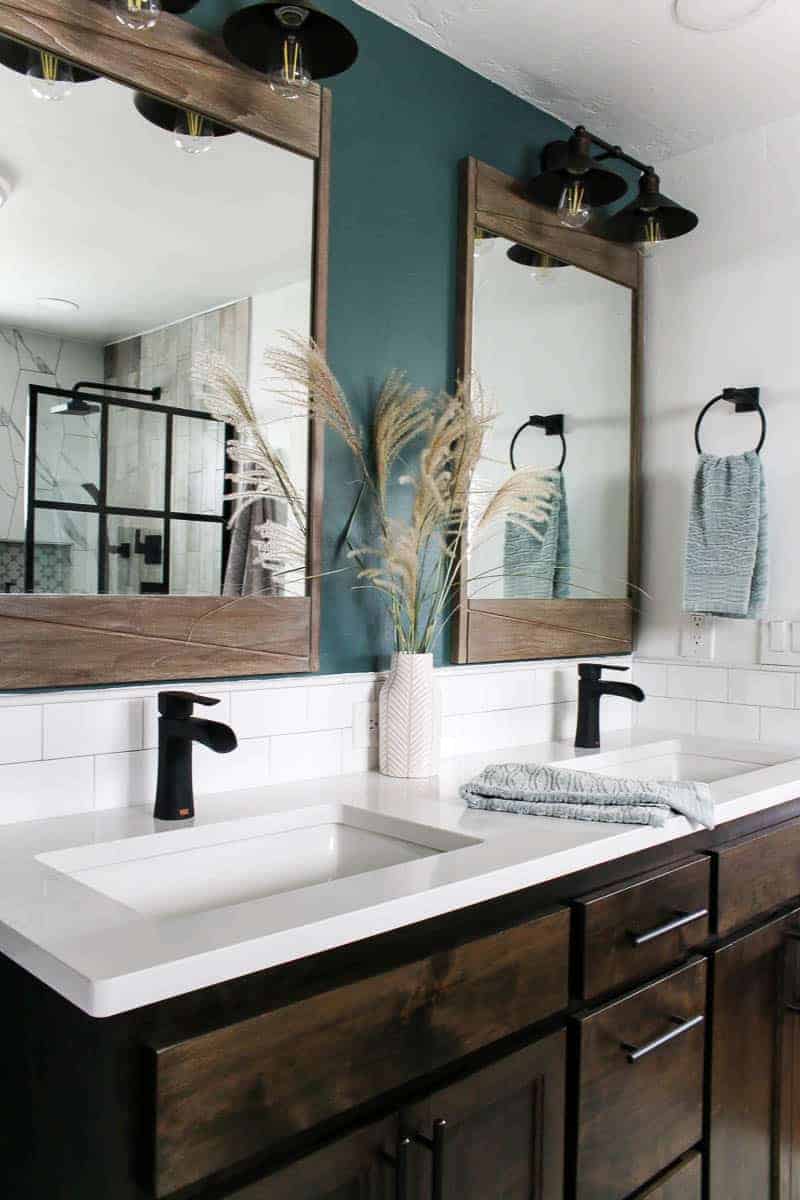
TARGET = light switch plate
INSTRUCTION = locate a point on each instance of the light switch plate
(697, 637)
(780, 640)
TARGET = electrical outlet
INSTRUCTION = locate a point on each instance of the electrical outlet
(697, 637)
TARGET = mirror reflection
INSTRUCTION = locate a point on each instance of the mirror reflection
(551, 345)
(136, 240)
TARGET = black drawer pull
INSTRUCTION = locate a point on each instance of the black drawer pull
(681, 1026)
(436, 1146)
(678, 921)
(399, 1161)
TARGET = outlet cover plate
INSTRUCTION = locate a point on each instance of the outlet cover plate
(697, 637)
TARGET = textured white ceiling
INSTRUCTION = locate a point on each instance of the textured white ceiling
(624, 68)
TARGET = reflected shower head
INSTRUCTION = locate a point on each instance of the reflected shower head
(76, 406)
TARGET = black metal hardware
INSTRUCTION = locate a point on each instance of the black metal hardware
(88, 385)
(552, 425)
(399, 1160)
(435, 1144)
(744, 400)
(177, 731)
(682, 1025)
(677, 922)
(252, 34)
(591, 689)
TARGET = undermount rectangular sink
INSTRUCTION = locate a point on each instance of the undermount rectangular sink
(693, 759)
(700, 768)
(196, 869)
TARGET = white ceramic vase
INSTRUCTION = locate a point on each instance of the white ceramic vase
(410, 718)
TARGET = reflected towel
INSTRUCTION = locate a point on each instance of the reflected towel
(539, 791)
(726, 546)
(538, 568)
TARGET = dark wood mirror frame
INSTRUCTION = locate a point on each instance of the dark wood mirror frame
(63, 641)
(509, 630)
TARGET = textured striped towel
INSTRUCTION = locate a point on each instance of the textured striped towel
(726, 547)
(538, 791)
(536, 564)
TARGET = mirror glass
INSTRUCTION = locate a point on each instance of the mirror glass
(135, 238)
(551, 345)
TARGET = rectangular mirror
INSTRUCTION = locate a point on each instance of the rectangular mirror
(140, 236)
(549, 326)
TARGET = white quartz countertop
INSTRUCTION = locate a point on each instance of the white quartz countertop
(108, 958)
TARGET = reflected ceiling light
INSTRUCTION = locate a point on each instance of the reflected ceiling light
(540, 265)
(651, 218)
(50, 77)
(572, 183)
(291, 44)
(136, 14)
(717, 16)
(57, 304)
(192, 132)
(76, 406)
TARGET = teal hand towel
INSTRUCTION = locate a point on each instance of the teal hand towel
(531, 789)
(536, 562)
(726, 546)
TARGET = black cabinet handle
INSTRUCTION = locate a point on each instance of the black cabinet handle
(681, 1026)
(436, 1146)
(399, 1160)
(678, 921)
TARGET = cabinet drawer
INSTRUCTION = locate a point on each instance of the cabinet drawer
(236, 1092)
(756, 875)
(642, 926)
(640, 1089)
(683, 1181)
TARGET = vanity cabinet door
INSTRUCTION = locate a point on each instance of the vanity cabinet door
(497, 1134)
(361, 1166)
(751, 1069)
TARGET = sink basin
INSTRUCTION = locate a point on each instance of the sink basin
(189, 870)
(698, 759)
(700, 768)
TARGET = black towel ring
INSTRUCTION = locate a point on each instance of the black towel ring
(745, 400)
(553, 426)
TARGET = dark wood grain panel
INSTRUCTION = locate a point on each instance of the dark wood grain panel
(788, 1117)
(745, 1064)
(174, 60)
(756, 875)
(67, 641)
(682, 1181)
(505, 1129)
(230, 1094)
(609, 920)
(634, 1119)
(508, 630)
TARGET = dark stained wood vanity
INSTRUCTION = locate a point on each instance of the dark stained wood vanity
(627, 1031)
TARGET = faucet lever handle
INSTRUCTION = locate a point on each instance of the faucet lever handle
(179, 705)
(594, 671)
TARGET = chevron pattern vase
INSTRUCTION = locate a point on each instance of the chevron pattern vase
(410, 718)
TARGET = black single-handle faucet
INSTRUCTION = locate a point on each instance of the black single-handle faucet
(591, 688)
(177, 729)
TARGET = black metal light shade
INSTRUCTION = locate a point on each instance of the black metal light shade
(165, 116)
(565, 162)
(533, 258)
(178, 7)
(633, 222)
(252, 34)
(18, 57)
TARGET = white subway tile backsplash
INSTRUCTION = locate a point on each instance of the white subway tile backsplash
(651, 678)
(92, 727)
(781, 727)
(773, 689)
(35, 790)
(697, 683)
(555, 685)
(727, 721)
(125, 779)
(509, 689)
(261, 713)
(245, 767)
(671, 716)
(332, 707)
(21, 734)
(463, 694)
(305, 756)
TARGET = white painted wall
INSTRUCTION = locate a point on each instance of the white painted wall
(724, 309)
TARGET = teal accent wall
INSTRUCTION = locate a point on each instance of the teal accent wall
(403, 118)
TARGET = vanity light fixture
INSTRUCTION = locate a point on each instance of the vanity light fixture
(50, 77)
(143, 14)
(193, 132)
(540, 265)
(291, 44)
(651, 218)
(572, 183)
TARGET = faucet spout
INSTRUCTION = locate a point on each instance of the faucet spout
(178, 730)
(591, 688)
(627, 690)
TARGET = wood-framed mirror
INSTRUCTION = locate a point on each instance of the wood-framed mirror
(128, 262)
(550, 323)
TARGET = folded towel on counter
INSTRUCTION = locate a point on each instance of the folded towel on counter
(536, 564)
(539, 791)
(726, 547)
